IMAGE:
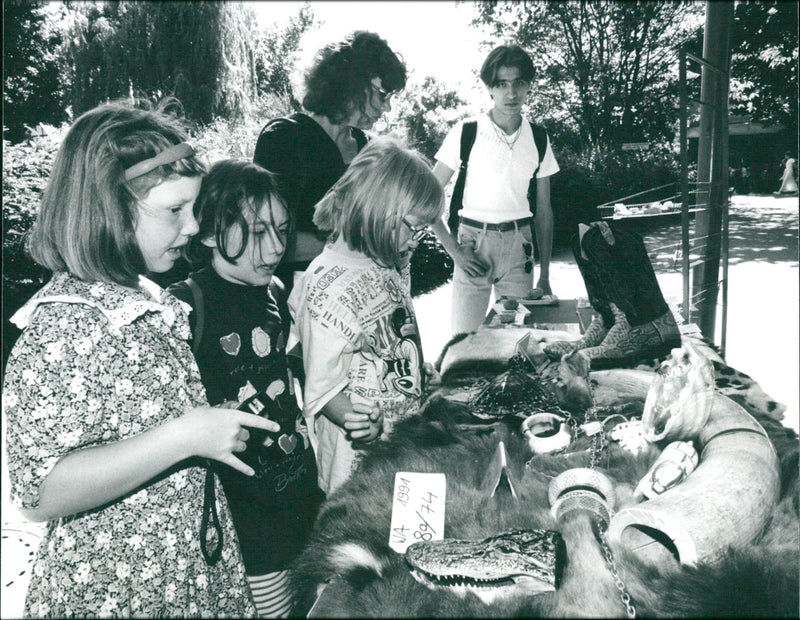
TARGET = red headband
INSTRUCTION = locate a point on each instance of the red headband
(167, 156)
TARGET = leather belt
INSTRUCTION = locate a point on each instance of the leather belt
(501, 226)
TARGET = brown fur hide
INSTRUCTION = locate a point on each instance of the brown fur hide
(760, 579)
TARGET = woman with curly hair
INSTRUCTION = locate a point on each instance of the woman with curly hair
(348, 87)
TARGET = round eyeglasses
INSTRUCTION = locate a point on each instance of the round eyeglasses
(417, 232)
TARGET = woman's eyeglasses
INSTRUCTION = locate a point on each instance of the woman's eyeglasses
(417, 232)
(383, 95)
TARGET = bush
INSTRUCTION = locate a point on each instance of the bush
(622, 173)
(574, 197)
(26, 167)
(586, 181)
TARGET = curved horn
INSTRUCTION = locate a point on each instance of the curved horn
(725, 501)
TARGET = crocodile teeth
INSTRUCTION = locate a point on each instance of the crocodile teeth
(459, 580)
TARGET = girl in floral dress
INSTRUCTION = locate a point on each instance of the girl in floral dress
(108, 428)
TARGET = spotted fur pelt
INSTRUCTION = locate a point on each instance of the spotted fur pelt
(362, 577)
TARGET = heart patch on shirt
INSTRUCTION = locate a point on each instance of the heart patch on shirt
(287, 443)
(231, 343)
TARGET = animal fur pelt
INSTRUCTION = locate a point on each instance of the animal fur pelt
(363, 577)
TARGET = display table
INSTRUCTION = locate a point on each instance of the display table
(351, 569)
(569, 315)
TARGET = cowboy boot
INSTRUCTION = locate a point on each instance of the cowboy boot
(621, 283)
(623, 272)
(644, 326)
(626, 344)
(602, 320)
(592, 337)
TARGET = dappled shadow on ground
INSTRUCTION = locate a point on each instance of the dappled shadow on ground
(760, 229)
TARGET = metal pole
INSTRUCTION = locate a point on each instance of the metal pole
(713, 123)
(724, 167)
(683, 122)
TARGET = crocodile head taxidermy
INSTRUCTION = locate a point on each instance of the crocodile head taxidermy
(529, 561)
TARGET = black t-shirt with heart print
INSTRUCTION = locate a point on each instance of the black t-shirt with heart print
(242, 353)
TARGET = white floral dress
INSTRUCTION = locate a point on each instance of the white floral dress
(97, 363)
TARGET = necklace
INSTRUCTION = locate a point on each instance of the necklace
(509, 141)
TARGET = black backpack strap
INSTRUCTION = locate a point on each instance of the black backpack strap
(199, 314)
(468, 132)
(540, 139)
(211, 544)
(190, 293)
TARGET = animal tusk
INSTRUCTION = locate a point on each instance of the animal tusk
(726, 501)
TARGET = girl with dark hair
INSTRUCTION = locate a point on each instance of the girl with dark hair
(348, 87)
(109, 432)
(240, 326)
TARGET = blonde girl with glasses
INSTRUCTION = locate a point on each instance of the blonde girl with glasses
(352, 307)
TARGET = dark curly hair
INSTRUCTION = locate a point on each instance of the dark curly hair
(341, 72)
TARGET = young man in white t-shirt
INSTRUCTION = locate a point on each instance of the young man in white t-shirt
(493, 247)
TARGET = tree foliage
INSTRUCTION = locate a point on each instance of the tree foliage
(426, 111)
(276, 51)
(764, 61)
(199, 52)
(33, 84)
(608, 67)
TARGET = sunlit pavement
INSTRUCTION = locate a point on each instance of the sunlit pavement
(762, 334)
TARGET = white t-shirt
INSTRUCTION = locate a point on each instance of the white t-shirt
(496, 188)
(356, 324)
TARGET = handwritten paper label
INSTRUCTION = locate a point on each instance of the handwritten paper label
(417, 509)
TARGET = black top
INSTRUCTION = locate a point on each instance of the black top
(244, 342)
(305, 159)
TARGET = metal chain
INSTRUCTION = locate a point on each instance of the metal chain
(612, 566)
(600, 443)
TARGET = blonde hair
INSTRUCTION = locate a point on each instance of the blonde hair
(87, 221)
(384, 183)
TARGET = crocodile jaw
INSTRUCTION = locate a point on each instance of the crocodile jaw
(488, 590)
(524, 560)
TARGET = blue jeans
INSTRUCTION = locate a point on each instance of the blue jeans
(510, 256)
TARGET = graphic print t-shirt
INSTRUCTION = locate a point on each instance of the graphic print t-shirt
(359, 334)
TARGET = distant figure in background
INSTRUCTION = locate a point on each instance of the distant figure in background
(735, 177)
(789, 177)
(746, 179)
(348, 87)
(490, 236)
